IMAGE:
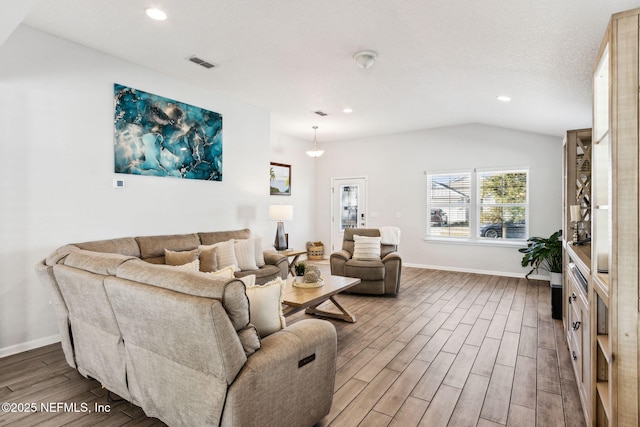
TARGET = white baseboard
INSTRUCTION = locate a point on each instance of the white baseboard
(29, 345)
(471, 270)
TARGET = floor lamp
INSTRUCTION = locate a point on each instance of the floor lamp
(281, 213)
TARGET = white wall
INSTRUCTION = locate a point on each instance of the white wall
(396, 165)
(291, 151)
(56, 171)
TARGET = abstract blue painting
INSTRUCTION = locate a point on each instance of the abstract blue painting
(158, 136)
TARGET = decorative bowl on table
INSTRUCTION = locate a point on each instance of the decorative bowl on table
(299, 282)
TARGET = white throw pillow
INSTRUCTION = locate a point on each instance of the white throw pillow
(226, 254)
(245, 250)
(366, 247)
(190, 266)
(259, 251)
(225, 273)
(249, 280)
(265, 306)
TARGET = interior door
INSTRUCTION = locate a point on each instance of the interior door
(348, 207)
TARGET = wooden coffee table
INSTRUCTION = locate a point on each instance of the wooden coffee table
(297, 299)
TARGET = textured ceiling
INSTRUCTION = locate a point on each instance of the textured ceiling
(441, 62)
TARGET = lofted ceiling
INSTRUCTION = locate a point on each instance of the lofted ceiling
(441, 62)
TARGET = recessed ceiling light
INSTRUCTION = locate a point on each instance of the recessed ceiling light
(156, 14)
(347, 110)
(503, 98)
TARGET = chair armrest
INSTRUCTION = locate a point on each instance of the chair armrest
(341, 254)
(277, 387)
(337, 261)
(393, 270)
(390, 257)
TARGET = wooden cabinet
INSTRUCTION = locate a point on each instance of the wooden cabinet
(615, 228)
(602, 281)
(577, 260)
(613, 297)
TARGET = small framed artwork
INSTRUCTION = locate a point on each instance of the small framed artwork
(279, 179)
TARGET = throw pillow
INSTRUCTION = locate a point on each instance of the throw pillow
(226, 254)
(259, 252)
(225, 273)
(190, 266)
(245, 250)
(366, 247)
(208, 260)
(265, 306)
(249, 280)
(180, 258)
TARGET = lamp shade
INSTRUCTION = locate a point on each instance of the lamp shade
(281, 212)
(575, 213)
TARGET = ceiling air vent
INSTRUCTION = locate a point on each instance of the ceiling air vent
(201, 62)
(321, 113)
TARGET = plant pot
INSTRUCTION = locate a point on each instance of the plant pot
(556, 295)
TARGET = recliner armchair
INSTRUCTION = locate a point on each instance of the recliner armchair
(378, 276)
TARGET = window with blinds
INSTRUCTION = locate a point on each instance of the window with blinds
(479, 205)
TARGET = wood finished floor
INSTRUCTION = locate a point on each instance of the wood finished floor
(452, 349)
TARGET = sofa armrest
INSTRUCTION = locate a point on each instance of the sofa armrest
(289, 381)
(337, 261)
(274, 258)
(279, 260)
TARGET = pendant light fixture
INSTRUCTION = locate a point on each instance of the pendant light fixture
(315, 151)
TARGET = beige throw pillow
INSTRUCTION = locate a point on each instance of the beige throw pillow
(245, 251)
(190, 266)
(226, 254)
(265, 306)
(225, 273)
(366, 248)
(180, 258)
(259, 252)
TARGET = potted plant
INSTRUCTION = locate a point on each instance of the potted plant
(300, 268)
(546, 253)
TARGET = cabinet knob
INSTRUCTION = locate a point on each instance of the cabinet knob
(573, 296)
(574, 355)
(576, 325)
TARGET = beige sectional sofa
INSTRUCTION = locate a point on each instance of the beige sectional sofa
(180, 343)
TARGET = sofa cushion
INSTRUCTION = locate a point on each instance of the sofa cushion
(123, 246)
(366, 247)
(265, 306)
(95, 262)
(209, 238)
(181, 257)
(230, 292)
(154, 246)
(364, 269)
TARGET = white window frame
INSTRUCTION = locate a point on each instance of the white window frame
(475, 207)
